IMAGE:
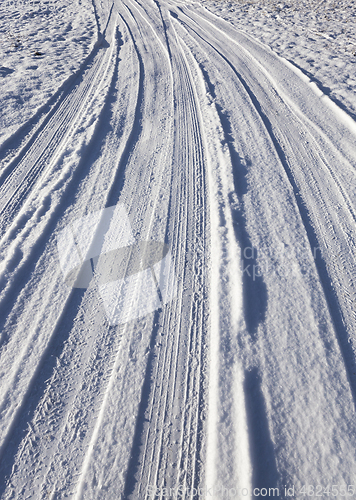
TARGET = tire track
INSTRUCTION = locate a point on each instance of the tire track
(227, 465)
(49, 142)
(285, 145)
(209, 154)
(284, 148)
(38, 203)
(296, 156)
(171, 355)
(104, 480)
(54, 343)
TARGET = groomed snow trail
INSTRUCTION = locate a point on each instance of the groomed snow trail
(245, 381)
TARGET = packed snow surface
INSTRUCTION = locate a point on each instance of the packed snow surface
(319, 36)
(177, 249)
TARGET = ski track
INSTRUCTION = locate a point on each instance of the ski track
(217, 147)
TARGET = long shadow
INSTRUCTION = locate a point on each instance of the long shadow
(134, 463)
(165, 29)
(321, 266)
(330, 294)
(117, 184)
(88, 158)
(265, 473)
(141, 422)
(19, 426)
(254, 287)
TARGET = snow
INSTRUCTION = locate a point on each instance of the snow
(317, 36)
(178, 207)
(62, 33)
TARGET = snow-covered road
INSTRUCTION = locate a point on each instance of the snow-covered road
(229, 371)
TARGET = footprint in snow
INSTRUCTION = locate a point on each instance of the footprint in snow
(5, 71)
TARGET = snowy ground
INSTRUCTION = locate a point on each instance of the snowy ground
(177, 271)
(317, 35)
(60, 33)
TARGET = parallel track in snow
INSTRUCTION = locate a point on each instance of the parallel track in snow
(297, 144)
(21, 386)
(178, 369)
(220, 149)
(46, 146)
